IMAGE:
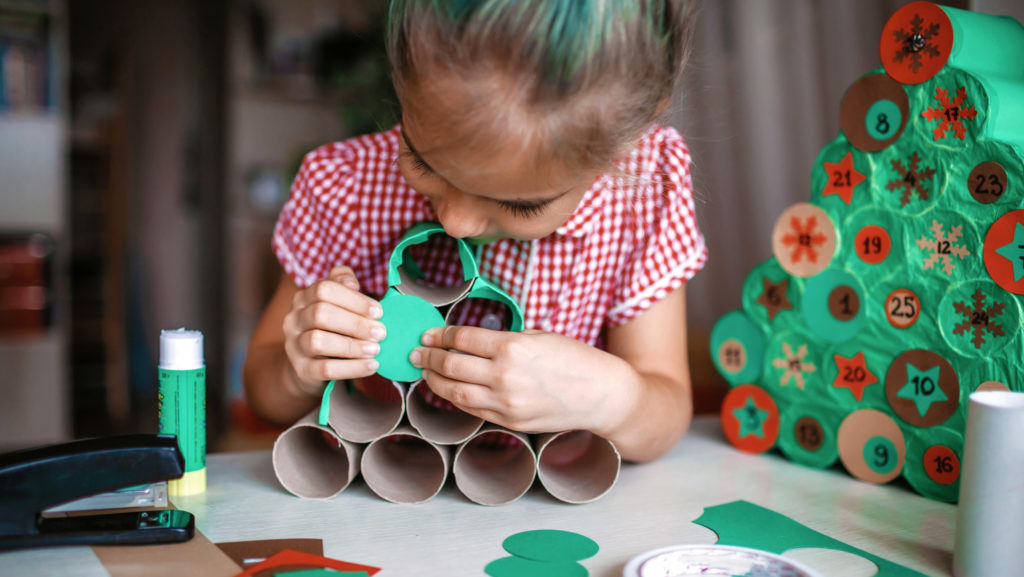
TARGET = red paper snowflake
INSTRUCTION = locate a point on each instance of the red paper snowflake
(943, 247)
(950, 113)
(979, 319)
(805, 237)
(915, 43)
(911, 179)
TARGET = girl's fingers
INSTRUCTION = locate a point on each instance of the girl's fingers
(339, 295)
(472, 340)
(469, 397)
(321, 343)
(332, 369)
(332, 318)
(465, 368)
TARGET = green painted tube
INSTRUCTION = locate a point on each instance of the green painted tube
(986, 44)
(181, 404)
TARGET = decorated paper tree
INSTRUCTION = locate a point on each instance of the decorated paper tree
(896, 291)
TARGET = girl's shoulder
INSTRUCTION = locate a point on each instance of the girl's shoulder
(354, 154)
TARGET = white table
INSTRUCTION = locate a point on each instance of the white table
(652, 506)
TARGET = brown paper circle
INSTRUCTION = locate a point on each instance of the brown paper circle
(856, 430)
(896, 378)
(843, 303)
(992, 386)
(987, 182)
(858, 100)
(809, 433)
(804, 240)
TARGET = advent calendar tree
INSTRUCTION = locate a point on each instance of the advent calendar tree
(896, 291)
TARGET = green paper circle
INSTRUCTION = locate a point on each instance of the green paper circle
(792, 428)
(736, 326)
(406, 317)
(759, 306)
(517, 567)
(883, 119)
(550, 545)
(914, 468)
(815, 306)
(783, 380)
(872, 445)
(980, 328)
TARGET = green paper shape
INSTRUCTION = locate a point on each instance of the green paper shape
(815, 306)
(417, 234)
(871, 454)
(1014, 252)
(738, 326)
(918, 390)
(751, 419)
(550, 545)
(322, 572)
(325, 405)
(882, 119)
(484, 289)
(519, 567)
(745, 524)
(406, 317)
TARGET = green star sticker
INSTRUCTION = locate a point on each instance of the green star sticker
(923, 388)
(1014, 252)
(751, 419)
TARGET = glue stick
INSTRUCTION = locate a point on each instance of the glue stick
(181, 404)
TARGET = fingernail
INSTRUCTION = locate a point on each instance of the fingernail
(371, 348)
(415, 357)
(378, 332)
(372, 365)
(376, 312)
(428, 338)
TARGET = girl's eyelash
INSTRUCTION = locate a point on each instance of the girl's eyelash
(522, 210)
(418, 165)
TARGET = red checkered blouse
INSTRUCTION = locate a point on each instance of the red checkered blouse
(633, 238)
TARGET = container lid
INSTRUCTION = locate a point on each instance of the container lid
(181, 349)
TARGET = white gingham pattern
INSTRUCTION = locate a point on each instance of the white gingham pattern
(633, 239)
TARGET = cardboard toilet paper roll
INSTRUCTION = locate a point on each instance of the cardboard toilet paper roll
(576, 466)
(442, 425)
(312, 462)
(989, 528)
(359, 415)
(403, 467)
(490, 470)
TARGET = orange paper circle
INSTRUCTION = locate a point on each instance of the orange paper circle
(739, 399)
(916, 42)
(857, 430)
(804, 240)
(872, 244)
(941, 464)
(999, 267)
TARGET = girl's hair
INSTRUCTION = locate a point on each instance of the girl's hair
(582, 78)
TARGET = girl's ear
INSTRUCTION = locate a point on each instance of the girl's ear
(662, 106)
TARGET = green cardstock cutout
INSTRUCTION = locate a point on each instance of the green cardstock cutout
(325, 405)
(406, 317)
(418, 234)
(550, 545)
(518, 567)
(745, 524)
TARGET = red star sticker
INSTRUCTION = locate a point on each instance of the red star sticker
(853, 375)
(842, 178)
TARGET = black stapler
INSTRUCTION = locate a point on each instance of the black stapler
(36, 479)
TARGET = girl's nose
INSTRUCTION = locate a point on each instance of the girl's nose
(459, 217)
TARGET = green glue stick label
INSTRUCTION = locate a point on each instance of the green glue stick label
(181, 411)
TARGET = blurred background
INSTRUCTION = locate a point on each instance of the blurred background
(146, 147)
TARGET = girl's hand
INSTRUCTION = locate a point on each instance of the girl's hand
(532, 381)
(332, 332)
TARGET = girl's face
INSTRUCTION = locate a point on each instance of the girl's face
(501, 190)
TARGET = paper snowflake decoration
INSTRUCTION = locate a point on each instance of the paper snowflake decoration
(942, 247)
(805, 238)
(979, 319)
(794, 365)
(950, 113)
(911, 180)
(915, 43)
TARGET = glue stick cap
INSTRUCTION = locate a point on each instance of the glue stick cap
(181, 349)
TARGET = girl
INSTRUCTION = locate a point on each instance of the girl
(528, 128)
